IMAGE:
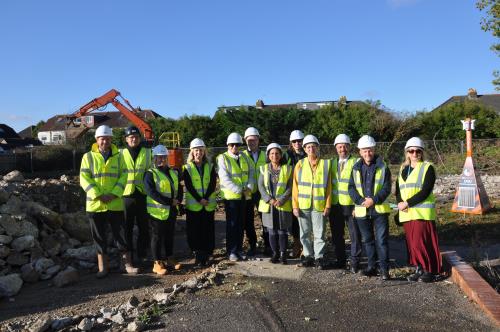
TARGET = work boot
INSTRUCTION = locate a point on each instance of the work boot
(159, 268)
(306, 262)
(275, 258)
(427, 277)
(127, 264)
(173, 263)
(415, 276)
(283, 258)
(103, 266)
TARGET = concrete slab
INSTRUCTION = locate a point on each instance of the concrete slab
(263, 268)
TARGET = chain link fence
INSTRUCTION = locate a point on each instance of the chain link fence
(447, 155)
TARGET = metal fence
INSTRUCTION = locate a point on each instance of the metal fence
(447, 155)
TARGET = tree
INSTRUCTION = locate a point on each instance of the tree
(491, 23)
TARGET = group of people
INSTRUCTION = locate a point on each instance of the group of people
(295, 192)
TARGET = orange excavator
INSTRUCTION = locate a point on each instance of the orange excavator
(131, 113)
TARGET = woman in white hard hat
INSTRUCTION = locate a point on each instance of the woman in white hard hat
(200, 179)
(311, 200)
(275, 186)
(417, 211)
(294, 153)
(236, 182)
(164, 195)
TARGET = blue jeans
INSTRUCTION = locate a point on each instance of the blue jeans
(374, 235)
(235, 217)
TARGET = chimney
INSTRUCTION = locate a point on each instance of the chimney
(472, 93)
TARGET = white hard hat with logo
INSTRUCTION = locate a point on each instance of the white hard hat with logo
(234, 138)
(342, 139)
(251, 131)
(160, 150)
(296, 135)
(366, 141)
(310, 139)
(197, 143)
(414, 142)
(103, 130)
(273, 146)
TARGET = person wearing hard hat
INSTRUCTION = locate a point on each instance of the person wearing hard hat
(311, 201)
(343, 206)
(369, 187)
(275, 187)
(417, 212)
(257, 158)
(103, 179)
(137, 160)
(292, 156)
(236, 176)
(164, 195)
(200, 179)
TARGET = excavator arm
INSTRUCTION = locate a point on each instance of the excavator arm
(128, 111)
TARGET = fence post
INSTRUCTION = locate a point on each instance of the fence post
(461, 147)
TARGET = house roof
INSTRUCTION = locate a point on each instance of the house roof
(27, 132)
(491, 100)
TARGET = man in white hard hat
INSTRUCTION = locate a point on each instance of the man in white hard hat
(137, 160)
(257, 158)
(237, 182)
(369, 187)
(343, 206)
(103, 179)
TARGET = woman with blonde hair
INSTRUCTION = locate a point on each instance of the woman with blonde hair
(417, 211)
(200, 179)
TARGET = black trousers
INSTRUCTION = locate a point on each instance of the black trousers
(249, 225)
(162, 237)
(136, 213)
(235, 215)
(337, 225)
(200, 231)
(99, 222)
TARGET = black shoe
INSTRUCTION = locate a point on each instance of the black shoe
(251, 253)
(385, 275)
(339, 265)
(427, 277)
(369, 272)
(306, 262)
(321, 264)
(283, 258)
(275, 259)
(354, 268)
(415, 276)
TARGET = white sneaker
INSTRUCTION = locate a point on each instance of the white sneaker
(233, 258)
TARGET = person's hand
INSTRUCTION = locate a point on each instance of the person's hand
(204, 202)
(403, 206)
(272, 202)
(277, 203)
(326, 212)
(106, 198)
(295, 212)
(368, 202)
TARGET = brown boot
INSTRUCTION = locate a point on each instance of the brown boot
(171, 261)
(102, 265)
(159, 268)
(127, 263)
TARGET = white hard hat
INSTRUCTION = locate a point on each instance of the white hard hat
(251, 131)
(197, 143)
(342, 139)
(234, 138)
(273, 146)
(103, 130)
(310, 139)
(366, 141)
(415, 142)
(296, 134)
(160, 150)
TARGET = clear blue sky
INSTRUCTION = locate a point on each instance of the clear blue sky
(189, 57)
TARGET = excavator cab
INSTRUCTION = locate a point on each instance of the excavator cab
(172, 140)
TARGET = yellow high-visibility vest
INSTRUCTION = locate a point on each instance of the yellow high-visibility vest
(360, 211)
(135, 170)
(261, 161)
(312, 187)
(167, 188)
(99, 177)
(425, 210)
(239, 174)
(284, 176)
(340, 182)
(200, 185)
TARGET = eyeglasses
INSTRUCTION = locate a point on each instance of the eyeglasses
(297, 141)
(234, 144)
(414, 151)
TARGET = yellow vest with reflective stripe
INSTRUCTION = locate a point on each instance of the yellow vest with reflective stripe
(261, 161)
(284, 176)
(340, 184)
(239, 174)
(312, 187)
(135, 170)
(425, 210)
(99, 177)
(360, 211)
(167, 188)
(200, 185)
